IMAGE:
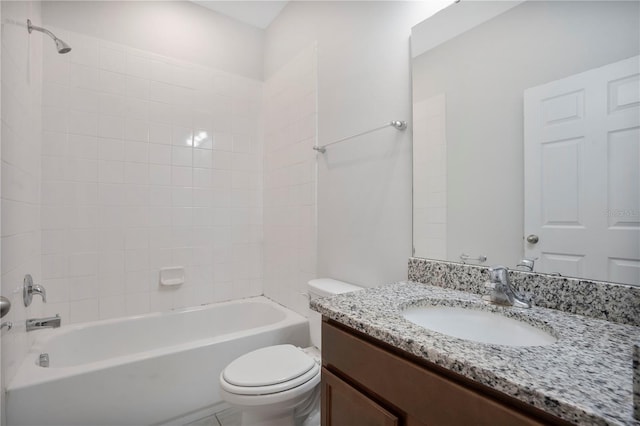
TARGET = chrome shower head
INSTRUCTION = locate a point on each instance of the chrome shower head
(61, 46)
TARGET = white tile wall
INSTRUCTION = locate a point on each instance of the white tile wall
(430, 178)
(147, 162)
(290, 180)
(20, 181)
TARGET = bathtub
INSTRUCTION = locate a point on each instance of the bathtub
(143, 370)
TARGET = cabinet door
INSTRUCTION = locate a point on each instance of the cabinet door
(343, 405)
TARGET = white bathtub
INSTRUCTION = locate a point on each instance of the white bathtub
(143, 370)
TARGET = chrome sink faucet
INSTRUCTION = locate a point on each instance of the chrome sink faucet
(501, 290)
(40, 323)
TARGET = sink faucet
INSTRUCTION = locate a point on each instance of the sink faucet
(501, 290)
(40, 323)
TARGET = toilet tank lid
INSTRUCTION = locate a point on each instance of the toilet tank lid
(330, 287)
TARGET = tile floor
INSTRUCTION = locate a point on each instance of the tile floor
(227, 417)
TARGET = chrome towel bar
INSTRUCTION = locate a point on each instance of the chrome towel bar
(399, 125)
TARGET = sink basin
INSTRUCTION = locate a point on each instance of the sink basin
(478, 326)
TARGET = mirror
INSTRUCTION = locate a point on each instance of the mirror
(526, 140)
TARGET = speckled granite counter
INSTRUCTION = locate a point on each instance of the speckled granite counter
(636, 381)
(585, 377)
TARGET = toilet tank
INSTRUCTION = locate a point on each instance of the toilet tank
(323, 287)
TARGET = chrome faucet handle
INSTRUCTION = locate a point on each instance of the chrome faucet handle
(503, 292)
(38, 289)
(526, 263)
(29, 289)
(498, 292)
(498, 274)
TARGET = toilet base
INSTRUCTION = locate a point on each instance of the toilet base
(301, 411)
(313, 419)
(306, 415)
(232, 416)
(289, 408)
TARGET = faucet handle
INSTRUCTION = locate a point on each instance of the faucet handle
(38, 289)
(527, 263)
(29, 289)
(497, 273)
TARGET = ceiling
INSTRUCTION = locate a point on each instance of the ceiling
(257, 13)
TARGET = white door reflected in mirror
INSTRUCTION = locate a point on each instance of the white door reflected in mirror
(581, 154)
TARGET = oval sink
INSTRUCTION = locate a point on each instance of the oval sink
(478, 326)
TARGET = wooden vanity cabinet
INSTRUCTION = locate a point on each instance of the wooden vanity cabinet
(366, 382)
(345, 405)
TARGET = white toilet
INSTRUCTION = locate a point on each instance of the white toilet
(279, 385)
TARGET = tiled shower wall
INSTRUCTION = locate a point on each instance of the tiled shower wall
(290, 180)
(430, 177)
(147, 162)
(21, 131)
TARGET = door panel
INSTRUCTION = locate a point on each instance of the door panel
(343, 405)
(624, 178)
(561, 181)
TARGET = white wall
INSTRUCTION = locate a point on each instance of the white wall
(290, 98)
(364, 185)
(148, 162)
(20, 191)
(177, 29)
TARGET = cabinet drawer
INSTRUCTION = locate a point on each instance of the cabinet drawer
(342, 405)
(416, 390)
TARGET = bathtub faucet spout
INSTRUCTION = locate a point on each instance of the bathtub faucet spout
(40, 323)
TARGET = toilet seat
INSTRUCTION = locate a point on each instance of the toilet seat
(269, 370)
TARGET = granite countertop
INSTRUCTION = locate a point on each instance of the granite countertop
(585, 377)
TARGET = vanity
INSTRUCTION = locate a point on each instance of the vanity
(379, 368)
(365, 381)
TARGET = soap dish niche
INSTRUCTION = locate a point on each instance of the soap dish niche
(172, 275)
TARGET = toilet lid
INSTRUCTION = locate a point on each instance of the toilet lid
(268, 366)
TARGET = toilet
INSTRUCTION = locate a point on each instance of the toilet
(279, 385)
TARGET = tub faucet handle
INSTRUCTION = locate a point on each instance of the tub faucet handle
(29, 289)
(38, 289)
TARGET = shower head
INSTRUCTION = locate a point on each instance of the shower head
(61, 46)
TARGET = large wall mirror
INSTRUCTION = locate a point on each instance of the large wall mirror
(526, 120)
